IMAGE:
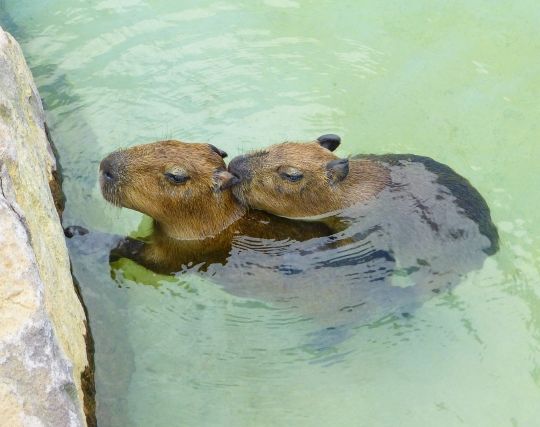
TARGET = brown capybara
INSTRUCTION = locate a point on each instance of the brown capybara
(429, 220)
(180, 185)
(307, 180)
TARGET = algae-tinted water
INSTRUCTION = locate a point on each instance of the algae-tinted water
(456, 81)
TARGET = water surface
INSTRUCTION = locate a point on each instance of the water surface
(457, 81)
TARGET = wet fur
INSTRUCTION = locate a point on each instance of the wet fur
(316, 193)
(195, 209)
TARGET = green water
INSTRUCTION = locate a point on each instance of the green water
(458, 81)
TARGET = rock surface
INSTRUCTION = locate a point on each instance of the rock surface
(44, 364)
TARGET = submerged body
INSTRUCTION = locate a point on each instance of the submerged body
(165, 254)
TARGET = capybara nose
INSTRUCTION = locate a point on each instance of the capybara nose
(109, 168)
(239, 167)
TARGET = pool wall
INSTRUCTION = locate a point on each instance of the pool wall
(46, 366)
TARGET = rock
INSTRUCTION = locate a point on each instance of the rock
(45, 369)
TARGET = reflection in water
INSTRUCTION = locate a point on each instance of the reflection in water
(416, 239)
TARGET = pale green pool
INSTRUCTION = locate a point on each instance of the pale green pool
(458, 81)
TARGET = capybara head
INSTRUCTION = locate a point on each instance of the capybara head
(299, 180)
(183, 186)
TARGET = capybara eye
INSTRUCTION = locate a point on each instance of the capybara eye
(176, 178)
(291, 174)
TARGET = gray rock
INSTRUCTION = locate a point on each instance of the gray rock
(44, 365)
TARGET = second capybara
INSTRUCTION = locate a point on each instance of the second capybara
(308, 181)
(419, 214)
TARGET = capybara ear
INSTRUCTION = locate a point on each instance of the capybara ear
(225, 180)
(329, 141)
(222, 153)
(337, 170)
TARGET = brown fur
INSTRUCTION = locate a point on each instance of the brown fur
(195, 209)
(316, 193)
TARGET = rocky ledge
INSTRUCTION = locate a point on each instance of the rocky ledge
(46, 375)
